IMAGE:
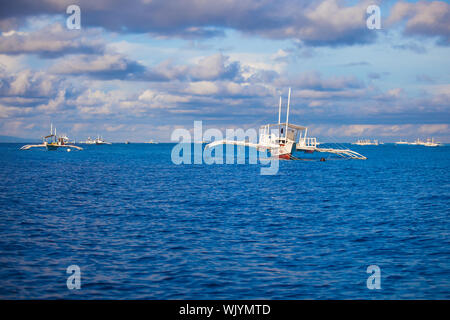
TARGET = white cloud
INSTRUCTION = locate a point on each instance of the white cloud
(202, 88)
(21, 83)
(91, 64)
(434, 128)
(50, 41)
(423, 18)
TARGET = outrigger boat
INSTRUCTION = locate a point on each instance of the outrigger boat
(281, 139)
(53, 142)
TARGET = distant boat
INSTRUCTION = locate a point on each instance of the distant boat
(89, 141)
(53, 142)
(428, 143)
(366, 142)
(152, 142)
(98, 140)
(127, 142)
(402, 142)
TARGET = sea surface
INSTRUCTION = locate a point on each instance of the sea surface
(140, 227)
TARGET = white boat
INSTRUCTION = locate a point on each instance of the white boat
(98, 140)
(281, 138)
(402, 142)
(89, 141)
(366, 142)
(428, 143)
(53, 142)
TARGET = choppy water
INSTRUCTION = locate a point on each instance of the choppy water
(141, 227)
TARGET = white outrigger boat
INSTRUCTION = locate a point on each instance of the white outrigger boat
(281, 139)
(53, 142)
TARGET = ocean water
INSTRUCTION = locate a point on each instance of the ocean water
(140, 227)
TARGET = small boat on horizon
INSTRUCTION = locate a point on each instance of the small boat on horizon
(428, 143)
(418, 142)
(366, 142)
(98, 141)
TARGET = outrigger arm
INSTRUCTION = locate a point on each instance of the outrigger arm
(345, 153)
(29, 146)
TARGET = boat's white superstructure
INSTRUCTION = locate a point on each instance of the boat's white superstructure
(281, 138)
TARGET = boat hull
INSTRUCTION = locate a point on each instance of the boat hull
(286, 156)
(51, 147)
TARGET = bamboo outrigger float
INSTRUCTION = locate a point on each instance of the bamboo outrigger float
(53, 142)
(281, 138)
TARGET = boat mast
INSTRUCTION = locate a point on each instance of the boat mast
(287, 115)
(279, 118)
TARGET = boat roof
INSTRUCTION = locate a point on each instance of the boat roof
(52, 135)
(292, 126)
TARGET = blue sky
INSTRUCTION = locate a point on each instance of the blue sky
(139, 69)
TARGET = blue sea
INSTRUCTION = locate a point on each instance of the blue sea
(140, 227)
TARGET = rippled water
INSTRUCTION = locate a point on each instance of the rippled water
(141, 227)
